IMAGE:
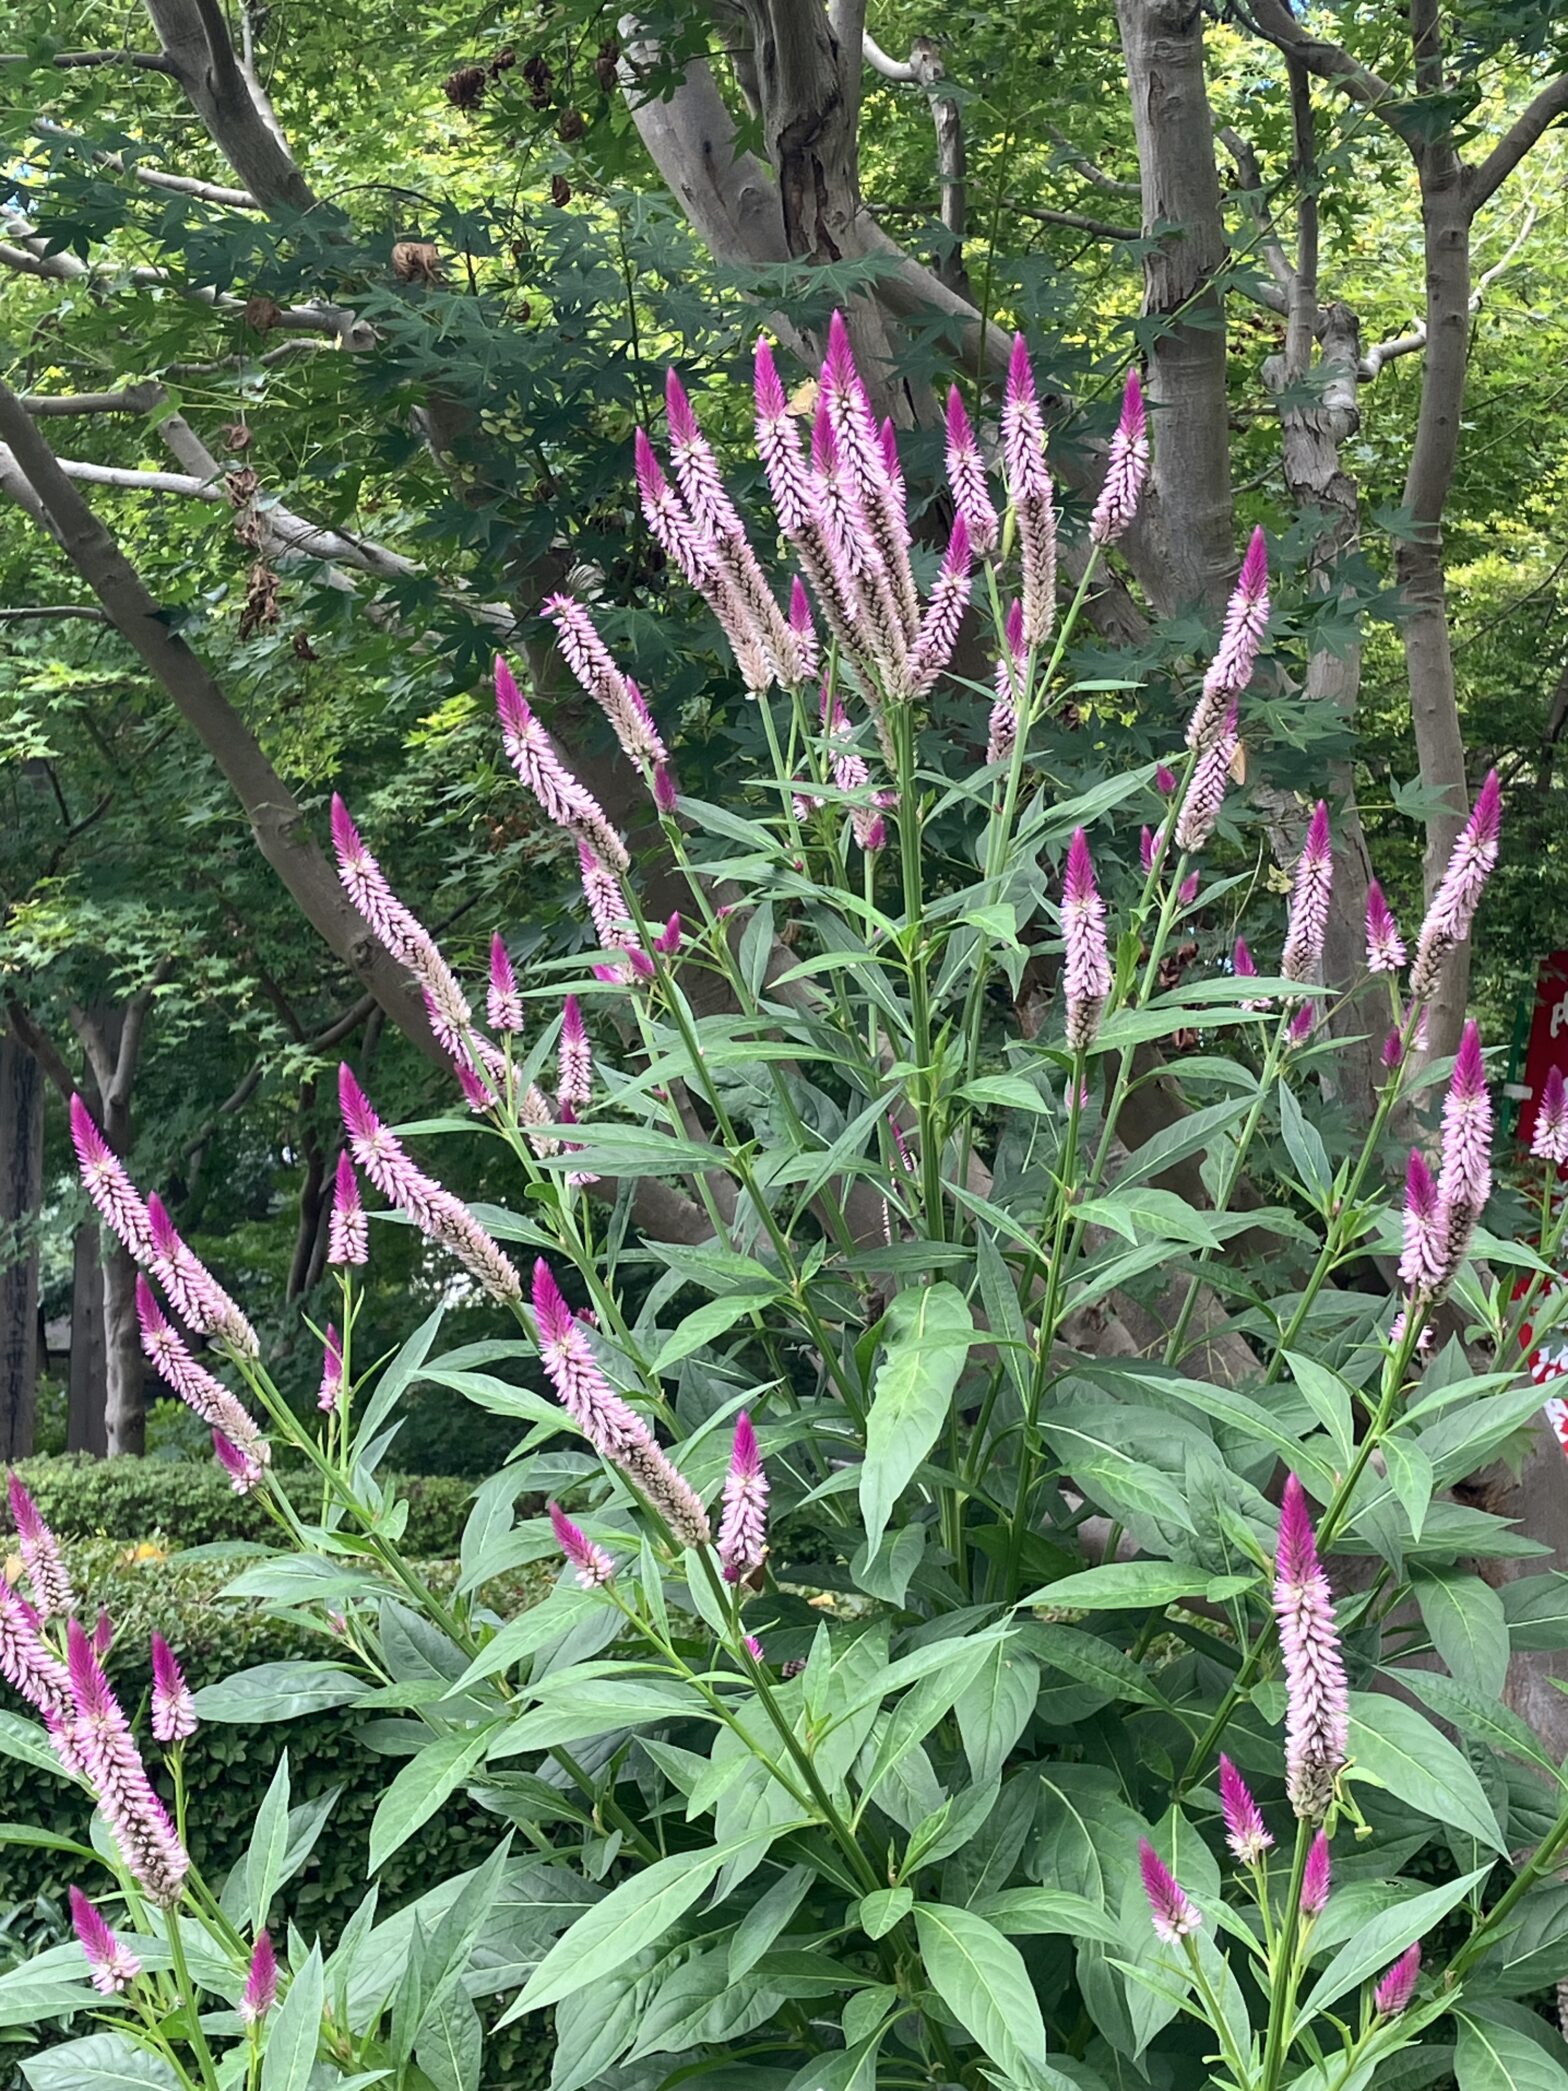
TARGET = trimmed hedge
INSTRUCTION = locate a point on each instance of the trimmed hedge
(126, 1499)
(228, 1768)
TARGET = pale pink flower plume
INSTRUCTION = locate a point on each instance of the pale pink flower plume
(592, 1563)
(113, 1966)
(111, 1763)
(1032, 495)
(348, 1232)
(41, 1556)
(1086, 967)
(168, 1355)
(1385, 946)
(743, 1528)
(1458, 896)
(1245, 1830)
(1309, 900)
(173, 1708)
(1246, 621)
(503, 1002)
(104, 1179)
(1126, 469)
(1317, 1704)
(1549, 1140)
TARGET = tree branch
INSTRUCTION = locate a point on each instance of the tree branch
(1483, 182)
(142, 397)
(196, 41)
(41, 611)
(154, 177)
(75, 61)
(42, 1047)
(1087, 167)
(1076, 221)
(1273, 20)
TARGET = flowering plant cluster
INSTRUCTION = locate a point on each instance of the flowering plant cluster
(931, 1691)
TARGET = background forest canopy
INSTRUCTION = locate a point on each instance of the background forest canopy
(327, 330)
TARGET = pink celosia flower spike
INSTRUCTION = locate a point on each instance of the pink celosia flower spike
(1200, 809)
(743, 1529)
(434, 1211)
(136, 1818)
(1385, 946)
(966, 477)
(1031, 494)
(559, 795)
(1309, 900)
(933, 649)
(243, 1469)
(199, 1298)
(503, 1003)
(668, 942)
(41, 1556)
(197, 1388)
(1164, 779)
(1453, 907)
(1171, 1910)
(1317, 1706)
(1086, 968)
(1126, 470)
(614, 1429)
(1393, 1052)
(1246, 620)
(261, 1984)
(594, 667)
(1012, 672)
(173, 1708)
(1245, 1830)
(113, 1966)
(1398, 1986)
(26, 1663)
(804, 632)
(1423, 1265)
(877, 491)
(107, 1185)
(1317, 1877)
(348, 1235)
(330, 1393)
(576, 1059)
(1464, 1180)
(1549, 1140)
(103, 1634)
(592, 1563)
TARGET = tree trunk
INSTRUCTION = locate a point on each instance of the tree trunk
(84, 1427)
(1429, 661)
(125, 1376)
(21, 1191)
(1162, 41)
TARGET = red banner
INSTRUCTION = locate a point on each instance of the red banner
(1548, 1047)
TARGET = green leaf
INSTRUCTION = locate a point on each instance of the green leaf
(710, 1321)
(1172, 1143)
(1048, 1912)
(1139, 1212)
(1305, 1146)
(424, 1784)
(1090, 1661)
(884, 1908)
(994, 1707)
(400, 1374)
(294, 2033)
(1126, 1586)
(1537, 1610)
(1395, 1747)
(981, 1978)
(279, 1692)
(101, 2062)
(25, 1740)
(1491, 2056)
(632, 1916)
(1329, 1398)
(1381, 1940)
(529, 1632)
(451, 2043)
(1465, 1618)
(268, 1843)
(766, 1918)
(928, 1333)
(1411, 1478)
(1485, 1721)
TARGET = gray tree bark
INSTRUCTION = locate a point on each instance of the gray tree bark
(85, 1425)
(21, 1192)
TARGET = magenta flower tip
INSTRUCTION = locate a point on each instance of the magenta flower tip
(1013, 629)
(1164, 779)
(1020, 376)
(550, 1309)
(1241, 961)
(113, 1966)
(668, 942)
(1316, 1879)
(1245, 1830)
(261, 1984)
(345, 835)
(959, 431)
(514, 713)
(592, 1563)
(1319, 843)
(772, 404)
(683, 422)
(1297, 1556)
(960, 550)
(1486, 816)
(1171, 1911)
(838, 365)
(799, 605)
(1133, 416)
(24, 1511)
(743, 1529)
(1254, 576)
(1398, 1985)
(664, 788)
(1078, 881)
(1469, 1076)
(1549, 1140)
(1393, 1051)
(359, 1120)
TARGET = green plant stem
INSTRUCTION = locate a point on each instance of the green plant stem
(606, 1805)
(182, 1976)
(1214, 2016)
(1544, 1857)
(1282, 1989)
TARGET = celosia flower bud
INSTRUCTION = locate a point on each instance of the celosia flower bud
(576, 1058)
(1245, 1830)
(197, 1388)
(434, 1211)
(1385, 946)
(807, 653)
(137, 1820)
(1126, 470)
(560, 797)
(1032, 495)
(261, 1984)
(668, 942)
(665, 792)
(107, 1185)
(503, 1003)
(1151, 847)
(1317, 1705)
(477, 1093)
(614, 1429)
(1187, 891)
(1244, 968)
(592, 1563)
(1309, 900)
(1398, 1986)
(1302, 1025)
(348, 1234)
(1171, 1911)
(1164, 778)
(1465, 1179)
(1086, 967)
(753, 1648)
(1458, 896)
(743, 1529)
(243, 1468)
(103, 1633)
(330, 1392)
(41, 1556)
(173, 1708)
(113, 1966)
(1316, 1878)
(1012, 673)
(966, 477)
(1393, 1052)
(1549, 1140)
